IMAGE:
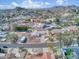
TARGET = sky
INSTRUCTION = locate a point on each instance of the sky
(9, 4)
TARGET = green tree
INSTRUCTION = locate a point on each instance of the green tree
(77, 21)
(12, 37)
(57, 20)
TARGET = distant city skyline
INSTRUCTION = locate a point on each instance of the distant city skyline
(6, 4)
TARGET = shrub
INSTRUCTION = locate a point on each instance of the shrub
(21, 28)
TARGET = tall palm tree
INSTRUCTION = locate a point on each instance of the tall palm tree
(49, 43)
(68, 38)
(59, 38)
(77, 36)
(22, 49)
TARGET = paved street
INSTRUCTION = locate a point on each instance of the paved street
(39, 45)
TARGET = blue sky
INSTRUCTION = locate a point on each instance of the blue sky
(36, 3)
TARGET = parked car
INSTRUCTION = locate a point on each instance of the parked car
(23, 39)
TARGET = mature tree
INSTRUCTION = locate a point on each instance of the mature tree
(57, 21)
(77, 21)
(12, 37)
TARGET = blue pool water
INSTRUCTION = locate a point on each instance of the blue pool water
(74, 49)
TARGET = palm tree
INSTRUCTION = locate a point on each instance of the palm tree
(50, 39)
(59, 38)
(77, 36)
(22, 49)
(68, 38)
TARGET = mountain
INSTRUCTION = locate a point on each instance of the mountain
(57, 11)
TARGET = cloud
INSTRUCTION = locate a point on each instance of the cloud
(14, 4)
(6, 7)
(60, 2)
(30, 1)
(26, 4)
(47, 3)
(31, 4)
(9, 6)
